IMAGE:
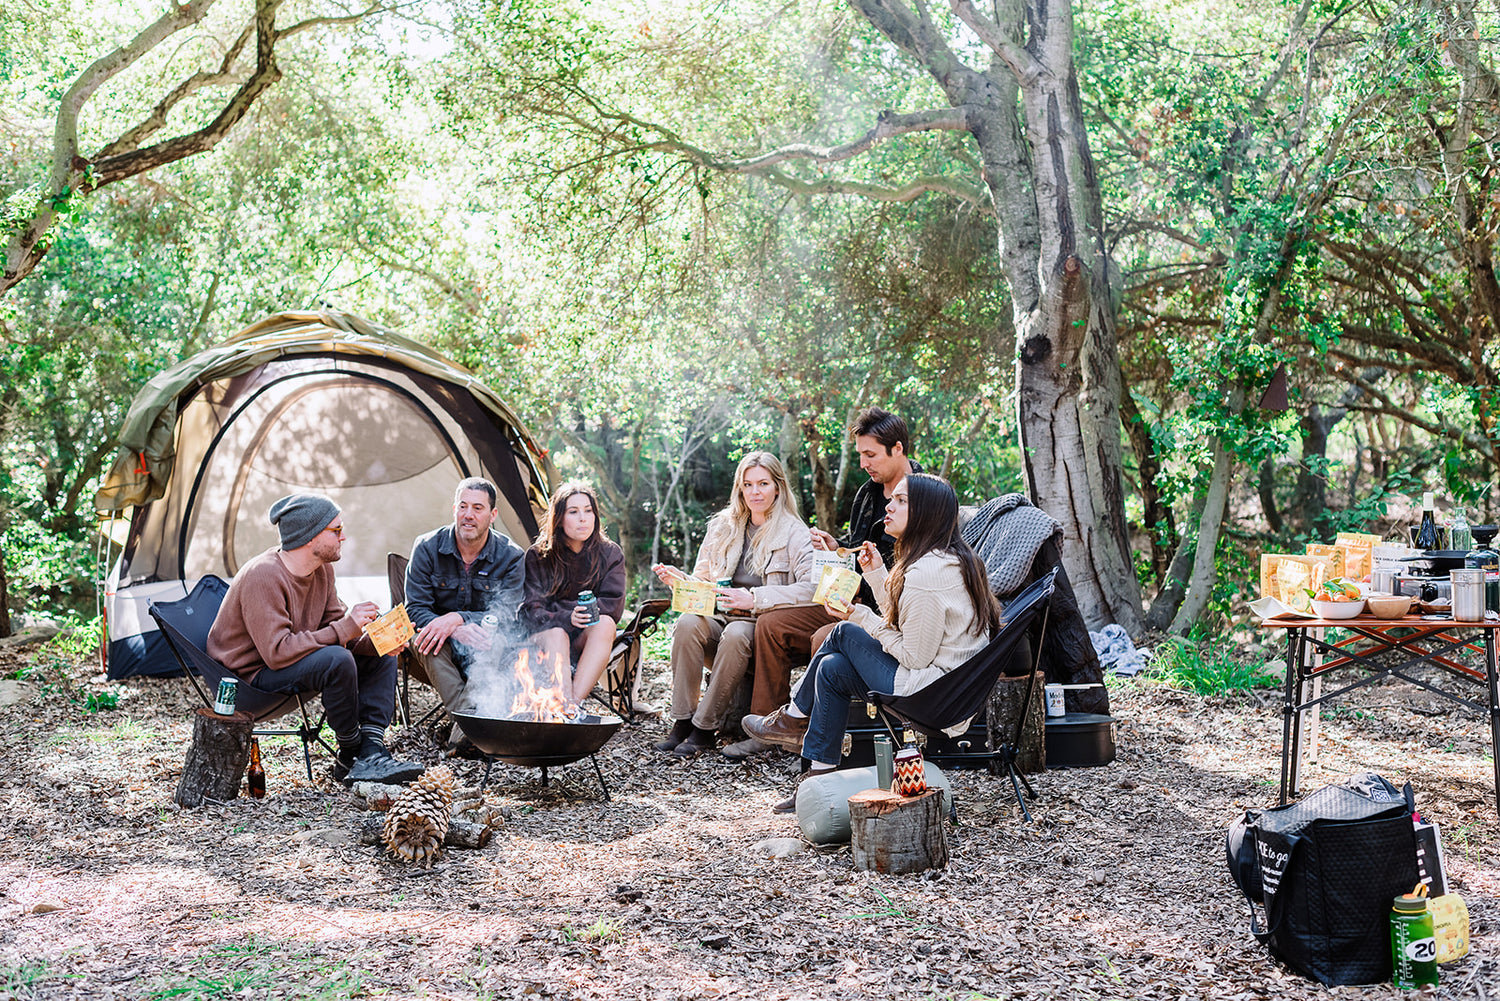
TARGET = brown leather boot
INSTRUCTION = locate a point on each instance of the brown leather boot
(777, 728)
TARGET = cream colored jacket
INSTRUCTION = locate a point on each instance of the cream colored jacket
(931, 636)
(788, 574)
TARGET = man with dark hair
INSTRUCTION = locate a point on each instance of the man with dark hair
(457, 574)
(785, 637)
(283, 628)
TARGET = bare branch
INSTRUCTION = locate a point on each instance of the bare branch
(1022, 63)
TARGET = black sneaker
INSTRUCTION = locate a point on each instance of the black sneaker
(342, 763)
(383, 768)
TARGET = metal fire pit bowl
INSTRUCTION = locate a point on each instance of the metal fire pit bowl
(538, 745)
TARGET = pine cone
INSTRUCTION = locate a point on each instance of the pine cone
(418, 819)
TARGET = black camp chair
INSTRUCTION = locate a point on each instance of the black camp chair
(185, 624)
(961, 693)
(624, 670)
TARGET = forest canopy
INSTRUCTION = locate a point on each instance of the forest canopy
(1071, 246)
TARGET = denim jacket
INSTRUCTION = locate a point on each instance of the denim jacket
(436, 583)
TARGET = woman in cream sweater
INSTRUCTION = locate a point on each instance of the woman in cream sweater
(936, 611)
(760, 544)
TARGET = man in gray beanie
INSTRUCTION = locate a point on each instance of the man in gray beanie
(282, 628)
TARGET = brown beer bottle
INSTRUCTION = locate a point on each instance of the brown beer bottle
(255, 775)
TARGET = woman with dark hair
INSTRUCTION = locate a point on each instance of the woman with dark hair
(571, 556)
(936, 611)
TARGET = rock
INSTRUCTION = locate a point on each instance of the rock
(13, 692)
(779, 847)
(1098, 877)
(45, 907)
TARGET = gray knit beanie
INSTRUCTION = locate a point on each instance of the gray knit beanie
(300, 517)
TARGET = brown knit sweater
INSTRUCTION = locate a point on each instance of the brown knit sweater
(272, 619)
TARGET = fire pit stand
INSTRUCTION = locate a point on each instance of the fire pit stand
(540, 745)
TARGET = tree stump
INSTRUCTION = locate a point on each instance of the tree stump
(216, 759)
(898, 834)
(1004, 708)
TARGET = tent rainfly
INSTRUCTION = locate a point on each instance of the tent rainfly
(320, 401)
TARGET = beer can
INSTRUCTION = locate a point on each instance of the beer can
(224, 700)
(1055, 702)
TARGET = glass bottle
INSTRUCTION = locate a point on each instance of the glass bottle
(1427, 534)
(255, 775)
(1462, 541)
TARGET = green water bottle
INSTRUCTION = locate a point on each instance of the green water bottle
(1413, 943)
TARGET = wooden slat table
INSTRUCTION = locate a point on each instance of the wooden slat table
(1373, 649)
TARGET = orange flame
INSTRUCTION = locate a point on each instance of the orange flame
(541, 703)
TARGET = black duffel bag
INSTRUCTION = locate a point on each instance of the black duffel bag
(1325, 870)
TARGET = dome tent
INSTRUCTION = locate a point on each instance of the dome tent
(301, 401)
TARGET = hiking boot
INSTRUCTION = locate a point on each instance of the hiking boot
(747, 748)
(381, 767)
(681, 730)
(698, 741)
(777, 728)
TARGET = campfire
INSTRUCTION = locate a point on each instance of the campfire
(540, 703)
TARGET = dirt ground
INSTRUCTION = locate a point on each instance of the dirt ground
(1117, 890)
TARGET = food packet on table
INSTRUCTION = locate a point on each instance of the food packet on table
(1357, 553)
(1288, 577)
(1338, 554)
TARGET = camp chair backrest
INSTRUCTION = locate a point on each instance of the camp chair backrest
(961, 693)
(622, 679)
(186, 622)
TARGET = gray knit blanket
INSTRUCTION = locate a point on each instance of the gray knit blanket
(1006, 533)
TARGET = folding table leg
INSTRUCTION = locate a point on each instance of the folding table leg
(1492, 671)
(1289, 706)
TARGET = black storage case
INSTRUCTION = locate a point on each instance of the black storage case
(1080, 740)
(969, 750)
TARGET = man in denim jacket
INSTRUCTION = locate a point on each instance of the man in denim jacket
(457, 575)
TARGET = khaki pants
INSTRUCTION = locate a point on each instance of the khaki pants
(444, 676)
(721, 645)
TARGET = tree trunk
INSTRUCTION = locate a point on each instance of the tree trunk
(1156, 517)
(825, 499)
(1210, 524)
(1005, 706)
(216, 758)
(897, 834)
(5, 626)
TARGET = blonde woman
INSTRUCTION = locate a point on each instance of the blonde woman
(760, 544)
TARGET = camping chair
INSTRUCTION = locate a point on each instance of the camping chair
(185, 624)
(622, 678)
(409, 664)
(961, 693)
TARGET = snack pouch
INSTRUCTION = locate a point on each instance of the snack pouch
(691, 596)
(837, 587)
(1288, 577)
(1337, 553)
(1357, 552)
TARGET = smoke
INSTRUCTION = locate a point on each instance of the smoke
(498, 677)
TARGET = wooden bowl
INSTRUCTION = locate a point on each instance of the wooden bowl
(1389, 606)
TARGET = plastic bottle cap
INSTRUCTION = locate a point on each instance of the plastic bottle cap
(1409, 903)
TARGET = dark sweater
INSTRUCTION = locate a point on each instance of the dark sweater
(867, 523)
(553, 585)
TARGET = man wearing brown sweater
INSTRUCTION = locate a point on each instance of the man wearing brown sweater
(282, 628)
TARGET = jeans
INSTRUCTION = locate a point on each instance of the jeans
(849, 664)
(358, 689)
